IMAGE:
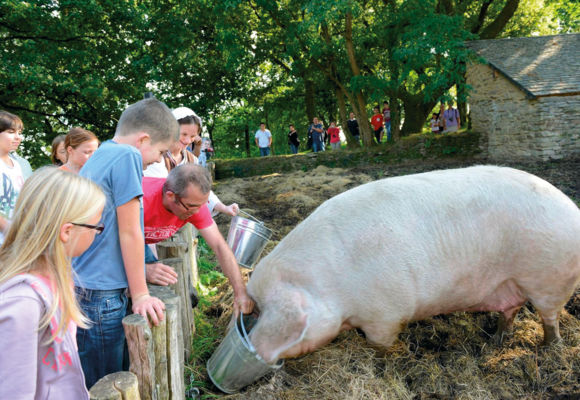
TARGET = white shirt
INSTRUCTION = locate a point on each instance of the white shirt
(263, 138)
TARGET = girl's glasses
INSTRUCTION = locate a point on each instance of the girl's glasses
(99, 228)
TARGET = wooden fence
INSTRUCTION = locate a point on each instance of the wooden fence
(158, 353)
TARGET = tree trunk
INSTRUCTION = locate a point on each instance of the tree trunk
(247, 139)
(351, 143)
(395, 118)
(362, 116)
(416, 112)
(309, 99)
(214, 144)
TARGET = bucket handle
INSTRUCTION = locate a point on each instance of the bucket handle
(245, 334)
(251, 216)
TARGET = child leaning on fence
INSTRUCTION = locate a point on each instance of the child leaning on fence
(115, 261)
(38, 310)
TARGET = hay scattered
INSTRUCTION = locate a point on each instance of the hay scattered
(443, 357)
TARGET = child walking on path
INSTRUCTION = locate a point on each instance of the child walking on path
(115, 261)
(38, 311)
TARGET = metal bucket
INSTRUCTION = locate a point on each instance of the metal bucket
(247, 240)
(235, 363)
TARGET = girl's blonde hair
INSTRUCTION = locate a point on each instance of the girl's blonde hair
(49, 199)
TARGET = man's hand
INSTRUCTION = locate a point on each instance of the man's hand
(233, 209)
(243, 303)
(160, 274)
(151, 308)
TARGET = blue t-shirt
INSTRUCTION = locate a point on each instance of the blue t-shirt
(118, 170)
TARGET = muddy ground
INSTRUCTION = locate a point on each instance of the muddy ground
(443, 357)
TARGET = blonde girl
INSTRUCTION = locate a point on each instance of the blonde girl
(80, 144)
(56, 218)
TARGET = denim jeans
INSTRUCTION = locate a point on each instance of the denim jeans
(102, 347)
(293, 148)
(388, 126)
(264, 151)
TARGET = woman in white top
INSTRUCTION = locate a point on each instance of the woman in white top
(189, 132)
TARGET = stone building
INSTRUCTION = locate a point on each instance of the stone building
(525, 96)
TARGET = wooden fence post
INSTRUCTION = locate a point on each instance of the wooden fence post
(181, 289)
(118, 386)
(175, 348)
(141, 353)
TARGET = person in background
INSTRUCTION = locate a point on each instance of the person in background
(434, 123)
(353, 127)
(387, 119)
(293, 140)
(441, 119)
(263, 140)
(452, 118)
(115, 260)
(206, 152)
(38, 310)
(57, 151)
(317, 130)
(377, 123)
(80, 144)
(334, 134)
(24, 164)
(11, 175)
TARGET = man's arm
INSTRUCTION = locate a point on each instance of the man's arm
(132, 247)
(229, 265)
(270, 141)
(256, 139)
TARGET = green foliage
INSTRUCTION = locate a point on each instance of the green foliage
(79, 63)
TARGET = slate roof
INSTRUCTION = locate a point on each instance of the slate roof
(540, 66)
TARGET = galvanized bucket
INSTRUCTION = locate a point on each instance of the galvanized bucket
(247, 240)
(235, 363)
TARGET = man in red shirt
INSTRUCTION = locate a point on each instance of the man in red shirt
(377, 123)
(170, 203)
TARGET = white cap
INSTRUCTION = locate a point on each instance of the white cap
(182, 112)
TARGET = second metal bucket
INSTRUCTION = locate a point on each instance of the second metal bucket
(247, 239)
(235, 363)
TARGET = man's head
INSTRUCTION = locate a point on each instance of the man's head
(450, 105)
(262, 126)
(153, 127)
(351, 115)
(186, 189)
(315, 120)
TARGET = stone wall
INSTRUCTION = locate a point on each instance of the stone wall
(517, 127)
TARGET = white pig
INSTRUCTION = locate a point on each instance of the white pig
(402, 249)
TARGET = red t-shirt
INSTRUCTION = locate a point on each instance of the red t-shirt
(334, 134)
(377, 121)
(160, 224)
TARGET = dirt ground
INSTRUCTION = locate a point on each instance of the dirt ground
(443, 357)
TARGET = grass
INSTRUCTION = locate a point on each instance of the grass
(207, 335)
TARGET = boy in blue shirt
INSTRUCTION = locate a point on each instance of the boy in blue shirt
(115, 260)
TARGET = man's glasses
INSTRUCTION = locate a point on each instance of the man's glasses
(99, 228)
(183, 204)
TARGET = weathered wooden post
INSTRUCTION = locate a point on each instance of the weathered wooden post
(175, 347)
(118, 386)
(181, 289)
(141, 353)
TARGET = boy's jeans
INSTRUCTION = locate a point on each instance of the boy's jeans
(102, 346)
(388, 126)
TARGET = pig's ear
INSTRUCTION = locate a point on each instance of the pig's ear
(281, 326)
(292, 336)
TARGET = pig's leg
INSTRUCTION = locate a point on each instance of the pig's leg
(551, 327)
(505, 324)
(381, 334)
